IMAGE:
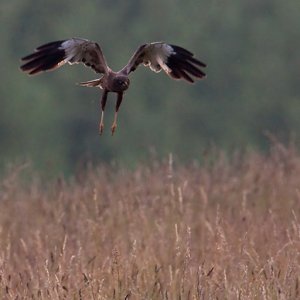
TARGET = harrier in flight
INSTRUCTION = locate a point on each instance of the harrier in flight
(175, 61)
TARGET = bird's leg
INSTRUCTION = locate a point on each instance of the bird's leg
(119, 101)
(103, 103)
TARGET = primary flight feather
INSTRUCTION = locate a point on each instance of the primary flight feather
(175, 61)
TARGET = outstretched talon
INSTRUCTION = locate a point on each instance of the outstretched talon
(101, 127)
(119, 100)
(103, 103)
(113, 128)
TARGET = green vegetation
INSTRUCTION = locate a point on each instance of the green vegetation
(252, 85)
(229, 230)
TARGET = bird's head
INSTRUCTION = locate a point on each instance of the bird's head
(121, 83)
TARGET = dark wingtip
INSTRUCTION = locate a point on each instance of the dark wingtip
(55, 44)
(32, 55)
(46, 57)
(181, 50)
(187, 55)
(183, 66)
(197, 62)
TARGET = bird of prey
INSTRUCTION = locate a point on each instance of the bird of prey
(175, 61)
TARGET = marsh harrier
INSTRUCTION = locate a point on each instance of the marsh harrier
(175, 61)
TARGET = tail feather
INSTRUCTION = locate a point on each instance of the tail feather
(92, 83)
(46, 57)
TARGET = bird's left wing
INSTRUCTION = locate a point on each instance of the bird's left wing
(176, 61)
(55, 54)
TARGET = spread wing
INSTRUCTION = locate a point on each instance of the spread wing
(55, 54)
(176, 61)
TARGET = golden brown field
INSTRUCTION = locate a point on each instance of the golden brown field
(227, 230)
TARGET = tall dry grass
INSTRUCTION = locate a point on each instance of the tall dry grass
(227, 230)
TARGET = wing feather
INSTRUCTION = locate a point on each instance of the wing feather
(55, 54)
(177, 62)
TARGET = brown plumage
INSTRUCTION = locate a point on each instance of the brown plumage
(176, 61)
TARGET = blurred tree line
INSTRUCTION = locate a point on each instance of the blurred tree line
(251, 48)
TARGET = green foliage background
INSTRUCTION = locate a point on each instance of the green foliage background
(252, 52)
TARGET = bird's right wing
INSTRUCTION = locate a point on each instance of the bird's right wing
(55, 54)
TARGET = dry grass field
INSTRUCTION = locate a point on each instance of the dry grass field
(229, 229)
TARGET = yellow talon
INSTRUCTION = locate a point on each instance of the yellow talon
(113, 128)
(101, 127)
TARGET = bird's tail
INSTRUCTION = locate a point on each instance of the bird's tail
(92, 83)
(46, 57)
